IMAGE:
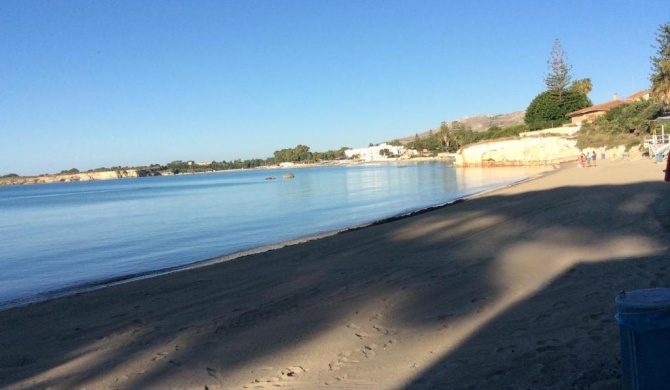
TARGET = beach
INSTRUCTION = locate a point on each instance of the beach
(513, 289)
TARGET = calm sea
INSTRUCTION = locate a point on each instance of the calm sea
(64, 237)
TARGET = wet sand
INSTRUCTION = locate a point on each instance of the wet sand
(512, 289)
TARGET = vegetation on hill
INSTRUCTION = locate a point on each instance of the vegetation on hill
(451, 137)
(624, 125)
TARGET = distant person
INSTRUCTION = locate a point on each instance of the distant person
(582, 161)
(594, 159)
(588, 159)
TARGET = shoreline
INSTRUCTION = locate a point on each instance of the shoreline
(512, 288)
(136, 277)
(123, 173)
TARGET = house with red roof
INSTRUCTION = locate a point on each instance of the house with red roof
(589, 114)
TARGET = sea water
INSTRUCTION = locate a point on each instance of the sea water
(63, 237)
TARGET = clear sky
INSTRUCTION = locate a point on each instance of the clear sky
(99, 83)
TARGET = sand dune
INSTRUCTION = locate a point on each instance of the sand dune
(514, 289)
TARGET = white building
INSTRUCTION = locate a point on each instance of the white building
(372, 153)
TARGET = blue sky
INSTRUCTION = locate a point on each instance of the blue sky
(89, 83)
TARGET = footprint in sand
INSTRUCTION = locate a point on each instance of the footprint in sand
(344, 359)
(377, 316)
(286, 377)
(367, 351)
(212, 372)
(131, 376)
(384, 330)
(364, 335)
(159, 356)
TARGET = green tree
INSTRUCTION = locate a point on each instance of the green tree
(444, 136)
(550, 108)
(559, 71)
(546, 110)
(432, 142)
(461, 135)
(573, 101)
(660, 77)
(543, 111)
(631, 118)
(302, 153)
(416, 144)
(583, 86)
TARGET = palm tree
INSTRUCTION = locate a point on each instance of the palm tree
(660, 78)
(583, 86)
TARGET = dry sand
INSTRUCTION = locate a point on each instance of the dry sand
(511, 290)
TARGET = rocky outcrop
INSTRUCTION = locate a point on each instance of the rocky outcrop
(72, 177)
(148, 172)
(541, 148)
(524, 151)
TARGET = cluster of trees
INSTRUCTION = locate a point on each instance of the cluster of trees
(179, 166)
(117, 168)
(562, 96)
(627, 122)
(634, 117)
(621, 125)
(299, 154)
(451, 137)
(550, 108)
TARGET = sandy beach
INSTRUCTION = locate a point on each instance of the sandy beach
(510, 290)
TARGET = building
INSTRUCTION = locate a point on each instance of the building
(589, 114)
(374, 153)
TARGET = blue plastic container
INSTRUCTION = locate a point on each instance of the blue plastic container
(644, 324)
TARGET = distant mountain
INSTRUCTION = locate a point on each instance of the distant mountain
(481, 123)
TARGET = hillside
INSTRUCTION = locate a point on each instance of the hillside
(481, 123)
